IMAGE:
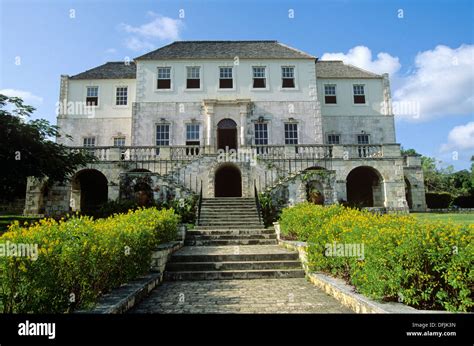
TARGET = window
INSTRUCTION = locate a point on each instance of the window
(259, 79)
(164, 78)
(225, 78)
(334, 139)
(291, 133)
(362, 139)
(119, 141)
(92, 96)
(163, 134)
(192, 138)
(288, 77)
(89, 141)
(359, 93)
(261, 134)
(121, 96)
(330, 94)
(193, 78)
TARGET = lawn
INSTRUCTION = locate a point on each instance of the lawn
(5, 220)
(461, 218)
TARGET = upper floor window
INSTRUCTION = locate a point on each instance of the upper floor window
(330, 94)
(192, 134)
(119, 141)
(121, 96)
(163, 134)
(288, 77)
(259, 78)
(89, 141)
(261, 134)
(359, 93)
(362, 139)
(164, 78)
(334, 139)
(225, 78)
(92, 96)
(291, 133)
(193, 77)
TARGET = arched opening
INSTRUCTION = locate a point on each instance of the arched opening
(89, 189)
(228, 181)
(314, 187)
(227, 134)
(365, 188)
(143, 194)
(408, 193)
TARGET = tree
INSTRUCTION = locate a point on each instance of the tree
(26, 150)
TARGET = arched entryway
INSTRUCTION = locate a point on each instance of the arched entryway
(89, 190)
(228, 181)
(314, 185)
(227, 134)
(365, 187)
(408, 193)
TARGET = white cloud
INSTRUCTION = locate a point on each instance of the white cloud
(460, 138)
(442, 83)
(26, 96)
(161, 28)
(361, 56)
(111, 51)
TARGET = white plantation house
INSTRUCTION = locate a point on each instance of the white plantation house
(232, 118)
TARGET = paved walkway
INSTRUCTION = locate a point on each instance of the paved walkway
(239, 296)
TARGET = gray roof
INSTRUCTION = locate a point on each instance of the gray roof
(110, 70)
(337, 69)
(225, 50)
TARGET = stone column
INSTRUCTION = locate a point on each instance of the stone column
(243, 118)
(208, 115)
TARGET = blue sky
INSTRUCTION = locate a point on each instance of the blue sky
(429, 49)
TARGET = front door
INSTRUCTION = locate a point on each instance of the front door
(227, 134)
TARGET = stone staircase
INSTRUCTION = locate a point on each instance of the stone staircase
(231, 243)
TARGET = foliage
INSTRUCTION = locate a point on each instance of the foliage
(270, 210)
(80, 259)
(438, 200)
(300, 221)
(464, 201)
(428, 265)
(25, 150)
(185, 208)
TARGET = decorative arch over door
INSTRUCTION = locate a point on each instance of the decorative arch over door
(228, 181)
(227, 134)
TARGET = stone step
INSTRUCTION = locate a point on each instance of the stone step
(229, 242)
(225, 221)
(235, 274)
(226, 266)
(230, 236)
(194, 231)
(229, 227)
(290, 256)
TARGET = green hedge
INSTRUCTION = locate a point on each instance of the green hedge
(427, 265)
(80, 259)
(439, 200)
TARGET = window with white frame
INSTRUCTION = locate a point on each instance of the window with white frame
(288, 76)
(334, 139)
(330, 94)
(92, 96)
(261, 134)
(119, 141)
(162, 134)
(359, 93)
(121, 96)
(89, 141)
(226, 78)
(259, 77)
(363, 139)
(164, 78)
(291, 133)
(193, 77)
(192, 139)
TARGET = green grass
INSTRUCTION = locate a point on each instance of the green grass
(461, 218)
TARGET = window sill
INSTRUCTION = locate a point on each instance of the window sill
(164, 90)
(192, 89)
(289, 89)
(259, 89)
(226, 89)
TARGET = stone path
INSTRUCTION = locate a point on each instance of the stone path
(239, 296)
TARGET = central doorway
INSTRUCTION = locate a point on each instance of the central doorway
(228, 181)
(227, 134)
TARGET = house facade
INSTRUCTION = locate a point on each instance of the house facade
(231, 118)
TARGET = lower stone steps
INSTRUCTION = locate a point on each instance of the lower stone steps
(230, 266)
(229, 242)
(231, 236)
(235, 274)
(198, 231)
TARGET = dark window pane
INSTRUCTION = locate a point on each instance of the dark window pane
(193, 83)
(164, 83)
(92, 101)
(225, 83)
(330, 99)
(359, 98)
(259, 82)
(288, 83)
